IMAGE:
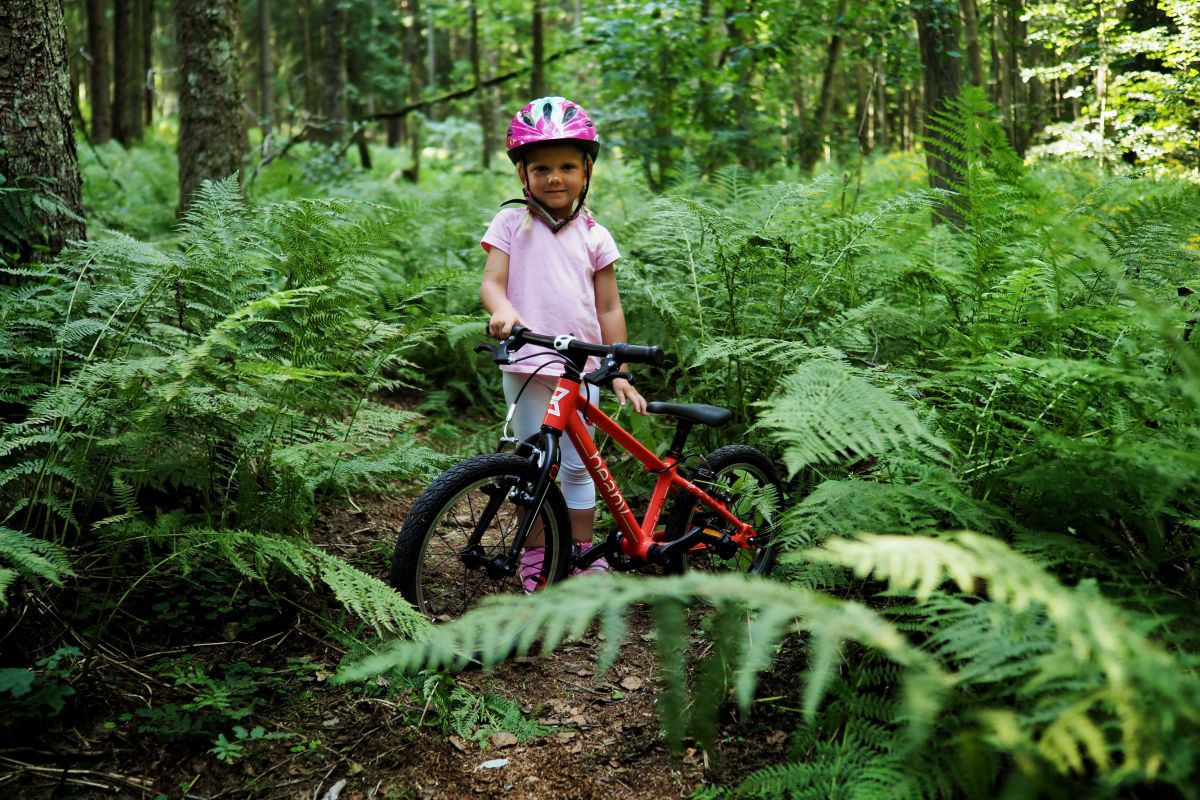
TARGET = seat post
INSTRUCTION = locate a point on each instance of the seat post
(681, 434)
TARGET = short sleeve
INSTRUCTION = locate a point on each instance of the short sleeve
(602, 247)
(499, 234)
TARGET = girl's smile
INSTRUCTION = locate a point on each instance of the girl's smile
(556, 175)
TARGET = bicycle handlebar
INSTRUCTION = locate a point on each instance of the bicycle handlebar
(621, 352)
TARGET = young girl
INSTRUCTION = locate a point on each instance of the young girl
(550, 268)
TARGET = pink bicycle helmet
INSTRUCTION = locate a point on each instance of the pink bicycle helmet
(551, 119)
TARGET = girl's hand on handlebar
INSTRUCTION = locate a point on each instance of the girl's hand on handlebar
(627, 394)
(502, 321)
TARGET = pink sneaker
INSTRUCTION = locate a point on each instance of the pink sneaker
(599, 565)
(530, 569)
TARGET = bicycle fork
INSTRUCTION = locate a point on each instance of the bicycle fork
(526, 495)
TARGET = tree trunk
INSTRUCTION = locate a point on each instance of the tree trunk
(212, 139)
(37, 142)
(814, 141)
(862, 108)
(136, 86)
(1004, 60)
(937, 37)
(312, 100)
(970, 19)
(483, 106)
(266, 109)
(412, 41)
(333, 104)
(881, 126)
(537, 78)
(148, 61)
(122, 69)
(99, 71)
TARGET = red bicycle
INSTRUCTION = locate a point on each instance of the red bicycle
(464, 537)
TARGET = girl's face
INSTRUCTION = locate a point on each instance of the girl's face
(557, 174)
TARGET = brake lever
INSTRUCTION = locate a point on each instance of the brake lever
(501, 352)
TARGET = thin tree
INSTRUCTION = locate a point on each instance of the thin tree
(99, 71)
(122, 70)
(537, 78)
(333, 104)
(482, 106)
(147, 78)
(37, 143)
(970, 19)
(938, 40)
(265, 110)
(212, 139)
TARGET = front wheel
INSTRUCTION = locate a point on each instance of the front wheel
(464, 520)
(746, 482)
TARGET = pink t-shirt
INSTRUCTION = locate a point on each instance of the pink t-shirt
(551, 277)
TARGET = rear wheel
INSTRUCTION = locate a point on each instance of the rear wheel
(464, 520)
(746, 482)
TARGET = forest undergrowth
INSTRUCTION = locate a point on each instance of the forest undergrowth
(990, 428)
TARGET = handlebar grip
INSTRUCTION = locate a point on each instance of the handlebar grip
(641, 354)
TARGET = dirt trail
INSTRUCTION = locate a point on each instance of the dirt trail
(345, 745)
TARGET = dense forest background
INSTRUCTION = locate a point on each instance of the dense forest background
(939, 256)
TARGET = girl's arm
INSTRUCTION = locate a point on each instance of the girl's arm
(612, 329)
(494, 293)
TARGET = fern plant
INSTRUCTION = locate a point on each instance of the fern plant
(228, 381)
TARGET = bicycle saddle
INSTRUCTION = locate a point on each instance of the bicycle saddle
(693, 412)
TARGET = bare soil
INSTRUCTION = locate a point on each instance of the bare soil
(350, 743)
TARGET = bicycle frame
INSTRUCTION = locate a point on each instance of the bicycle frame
(562, 416)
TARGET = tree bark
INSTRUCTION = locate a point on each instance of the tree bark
(938, 37)
(135, 88)
(970, 19)
(333, 104)
(99, 71)
(412, 41)
(881, 126)
(265, 94)
(862, 108)
(37, 142)
(122, 69)
(537, 78)
(212, 139)
(1005, 59)
(148, 61)
(312, 100)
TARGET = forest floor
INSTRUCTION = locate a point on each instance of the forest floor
(347, 743)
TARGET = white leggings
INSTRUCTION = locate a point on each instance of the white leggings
(577, 486)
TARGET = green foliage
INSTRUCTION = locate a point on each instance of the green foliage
(260, 556)
(1090, 691)
(472, 716)
(515, 625)
(30, 558)
(827, 414)
(28, 694)
(25, 210)
(232, 373)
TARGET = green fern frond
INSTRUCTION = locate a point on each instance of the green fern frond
(826, 414)
(1141, 689)
(30, 558)
(257, 554)
(933, 501)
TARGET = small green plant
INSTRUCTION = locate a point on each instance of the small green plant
(471, 716)
(233, 750)
(33, 693)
